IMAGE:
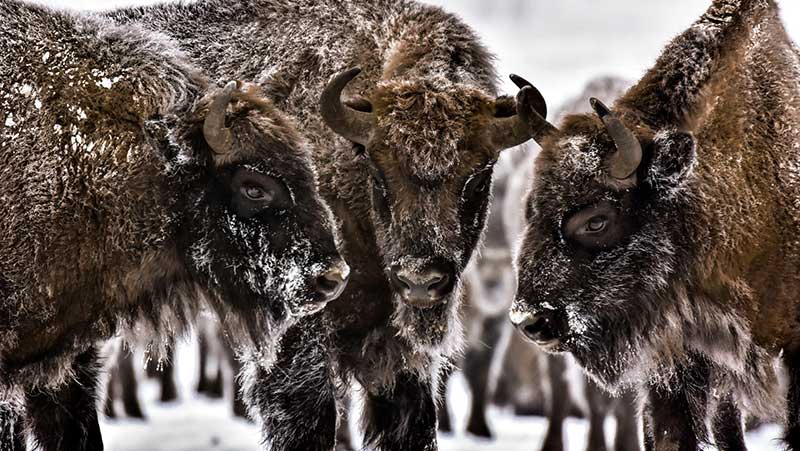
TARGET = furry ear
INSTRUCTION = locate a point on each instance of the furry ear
(673, 158)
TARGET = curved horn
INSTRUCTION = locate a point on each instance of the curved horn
(532, 108)
(218, 137)
(626, 160)
(349, 123)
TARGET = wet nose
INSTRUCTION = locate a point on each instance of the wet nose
(423, 288)
(331, 284)
(545, 328)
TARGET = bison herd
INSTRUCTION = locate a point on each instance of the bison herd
(309, 183)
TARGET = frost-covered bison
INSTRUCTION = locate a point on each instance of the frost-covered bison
(405, 159)
(662, 235)
(127, 197)
(563, 384)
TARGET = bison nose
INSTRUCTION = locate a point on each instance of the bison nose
(424, 288)
(545, 329)
(331, 284)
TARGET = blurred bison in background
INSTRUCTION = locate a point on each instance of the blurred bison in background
(127, 200)
(661, 243)
(405, 157)
(558, 381)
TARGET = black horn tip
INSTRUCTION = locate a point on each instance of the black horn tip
(519, 81)
(599, 107)
(353, 71)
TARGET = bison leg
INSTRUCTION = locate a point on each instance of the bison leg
(599, 404)
(239, 407)
(477, 369)
(402, 418)
(443, 408)
(166, 377)
(66, 418)
(111, 393)
(728, 427)
(295, 399)
(678, 412)
(344, 441)
(12, 432)
(627, 436)
(202, 362)
(792, 435)
(129, 385)
(559, 403)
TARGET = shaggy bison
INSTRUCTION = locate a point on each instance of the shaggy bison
(127, 198)
(661, 243)
(405, 156)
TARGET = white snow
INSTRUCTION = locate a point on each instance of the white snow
(195, 423)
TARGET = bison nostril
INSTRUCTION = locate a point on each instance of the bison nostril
(533, 329)
(401, 281)
(421, 288)
(437, 285)
(332, 283)
(543, 328)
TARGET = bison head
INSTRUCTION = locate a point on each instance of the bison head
(429, 150)
(257, 236)
(604, 245)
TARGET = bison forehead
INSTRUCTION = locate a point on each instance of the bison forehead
(430, 130)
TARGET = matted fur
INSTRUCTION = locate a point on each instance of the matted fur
(116, 212)
(432, 86)
(710, 271)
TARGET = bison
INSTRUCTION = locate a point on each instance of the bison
(661, 243)
(405, 152)
(558, 396)
(130, 198)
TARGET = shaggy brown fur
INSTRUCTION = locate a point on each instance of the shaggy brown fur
(695, 280)
(400, 199)
(117, 212)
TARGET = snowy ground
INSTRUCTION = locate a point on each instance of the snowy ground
(197, 424)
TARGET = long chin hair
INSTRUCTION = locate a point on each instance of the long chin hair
(684, 325)
(435, 331)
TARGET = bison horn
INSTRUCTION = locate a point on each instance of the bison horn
(625, 161)
(348, 122)
(219, 137)
(532, 108)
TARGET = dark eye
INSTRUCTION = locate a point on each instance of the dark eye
(253, 192)
(598, 227)
(256, 193)
(596, 224)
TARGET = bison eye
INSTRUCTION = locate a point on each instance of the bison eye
(254, 192)
(257, 193)
(596, 227)
(596, 224)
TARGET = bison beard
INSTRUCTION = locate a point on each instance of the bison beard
(661, 236)
(423, 128)
(141, 204)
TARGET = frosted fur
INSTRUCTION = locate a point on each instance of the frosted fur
(431, 86)
(118, 215)
(700, 296)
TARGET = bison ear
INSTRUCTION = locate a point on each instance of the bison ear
(673, 158)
